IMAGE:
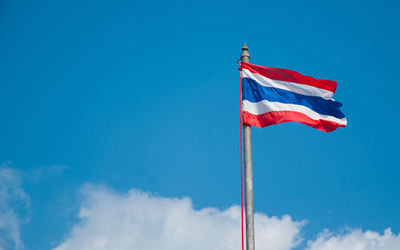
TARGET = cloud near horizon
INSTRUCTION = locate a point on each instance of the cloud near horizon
(138, 220)
(14, 204)
(356, 240)
(126, 221)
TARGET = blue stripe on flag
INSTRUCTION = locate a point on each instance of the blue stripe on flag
(254, 92)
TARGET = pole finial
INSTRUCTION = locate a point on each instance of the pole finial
(245, 56)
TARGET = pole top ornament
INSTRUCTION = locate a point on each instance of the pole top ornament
(245, 56)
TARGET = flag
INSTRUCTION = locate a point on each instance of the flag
(271, 96)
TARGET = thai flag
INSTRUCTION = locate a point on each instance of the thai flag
(271, 96)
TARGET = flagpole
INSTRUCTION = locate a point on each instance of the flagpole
(248, 172)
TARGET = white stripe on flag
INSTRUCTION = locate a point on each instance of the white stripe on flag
(264, 106)
(290, 86)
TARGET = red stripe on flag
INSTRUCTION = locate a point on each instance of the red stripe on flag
(290, 76)
(275, 117)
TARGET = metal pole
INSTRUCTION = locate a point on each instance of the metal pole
(248, 172)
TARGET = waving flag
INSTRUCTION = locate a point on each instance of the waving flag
(271, 96)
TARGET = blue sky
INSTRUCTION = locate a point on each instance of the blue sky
(144, 95)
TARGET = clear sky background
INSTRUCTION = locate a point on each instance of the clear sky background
(144, 95)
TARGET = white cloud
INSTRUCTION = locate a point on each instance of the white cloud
(137, 220)
(356, 240)
(12, 199)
